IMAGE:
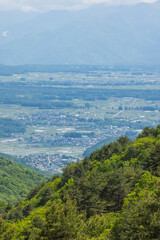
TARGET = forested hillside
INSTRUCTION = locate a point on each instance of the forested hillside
(113, 195)
(15, 181)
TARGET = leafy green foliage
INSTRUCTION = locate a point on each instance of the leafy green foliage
(140, 215)
(16, 181)
(112, 195)
(63, 222)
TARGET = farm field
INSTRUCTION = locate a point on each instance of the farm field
(65, 113)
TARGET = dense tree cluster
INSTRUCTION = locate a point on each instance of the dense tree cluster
(10, 126)
(50, 96)
(112, 195)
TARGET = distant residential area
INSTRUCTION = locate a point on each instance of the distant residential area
(57, 117)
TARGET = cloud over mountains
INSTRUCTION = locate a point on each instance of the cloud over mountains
(46, 5)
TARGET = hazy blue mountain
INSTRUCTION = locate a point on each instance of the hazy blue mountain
(14, 17)
(97, 35)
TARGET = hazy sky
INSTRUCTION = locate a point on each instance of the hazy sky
(45, 5)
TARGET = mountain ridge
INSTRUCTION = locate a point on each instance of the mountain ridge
(97, 35)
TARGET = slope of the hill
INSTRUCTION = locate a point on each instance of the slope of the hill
(113, 195)
(16, 181)
(110, 35)
(23, 163)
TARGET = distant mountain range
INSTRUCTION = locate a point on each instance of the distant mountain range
(110, 35)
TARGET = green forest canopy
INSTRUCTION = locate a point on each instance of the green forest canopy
(16, 181)
(112, 195)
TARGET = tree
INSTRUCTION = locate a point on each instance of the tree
(140, 217)
(63, 222)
